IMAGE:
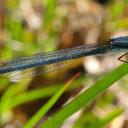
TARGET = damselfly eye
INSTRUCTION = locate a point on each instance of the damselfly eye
(124, 58)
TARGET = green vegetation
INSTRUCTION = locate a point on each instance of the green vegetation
(29, 27)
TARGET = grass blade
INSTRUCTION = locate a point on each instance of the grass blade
(48, 105)
(85, 97)
(32, 95)
(105, 120)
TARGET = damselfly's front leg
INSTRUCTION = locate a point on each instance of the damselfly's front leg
(121, 58)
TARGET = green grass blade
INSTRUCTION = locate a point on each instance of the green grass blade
(90, 120)
(28, 96)
(107, 119)
(10, 93)
(85, 97)
(87, 118)
(48, 105)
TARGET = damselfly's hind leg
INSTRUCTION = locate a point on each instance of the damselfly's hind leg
(121, 58)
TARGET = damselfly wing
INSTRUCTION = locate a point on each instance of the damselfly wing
(36, 71)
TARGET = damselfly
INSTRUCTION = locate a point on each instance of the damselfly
(51, 61)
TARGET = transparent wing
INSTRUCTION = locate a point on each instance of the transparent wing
(31, 72)
(46, 56)
(50, 58)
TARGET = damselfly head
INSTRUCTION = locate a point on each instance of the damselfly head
(120, 43)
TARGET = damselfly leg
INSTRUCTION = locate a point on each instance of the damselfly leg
(121, 58)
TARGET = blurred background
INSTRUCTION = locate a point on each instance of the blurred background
(33, 26)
